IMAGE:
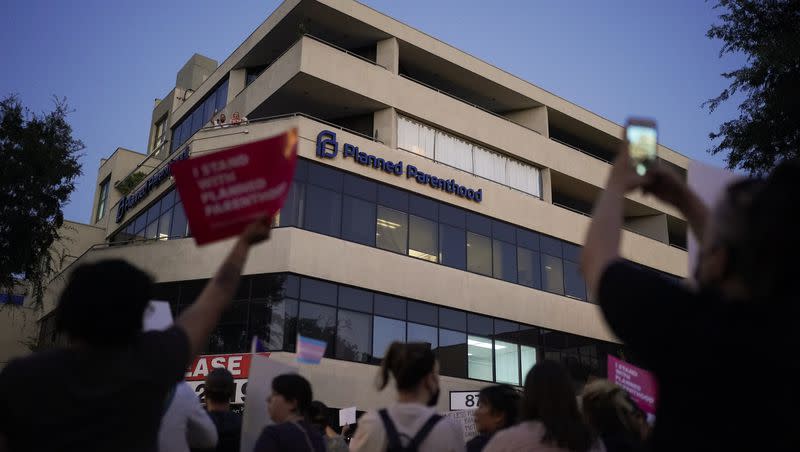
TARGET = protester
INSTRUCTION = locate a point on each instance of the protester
(219, 390)
(185, 424)
(612, 414)
(113, 379)
(334, 442)
(498, 408)
(738, 326)
(412, 423)
(551, 420)
(289, 407)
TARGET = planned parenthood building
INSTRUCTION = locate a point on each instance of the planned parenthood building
(437, 199)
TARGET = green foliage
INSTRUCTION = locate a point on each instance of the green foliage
(129, 183)
(39, 166)
(767, 130)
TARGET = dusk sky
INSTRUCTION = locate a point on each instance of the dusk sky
(615, 58)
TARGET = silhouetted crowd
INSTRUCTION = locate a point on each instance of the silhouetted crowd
(722, 350)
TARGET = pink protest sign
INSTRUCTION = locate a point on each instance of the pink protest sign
(639, 383)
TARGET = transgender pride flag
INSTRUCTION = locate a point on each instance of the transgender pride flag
(310, 351)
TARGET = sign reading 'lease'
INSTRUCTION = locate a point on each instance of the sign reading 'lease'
(224, 191)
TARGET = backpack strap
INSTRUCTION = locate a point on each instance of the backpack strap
(391, 431)
(423, 432)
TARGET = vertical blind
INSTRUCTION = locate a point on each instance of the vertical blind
(442, 147)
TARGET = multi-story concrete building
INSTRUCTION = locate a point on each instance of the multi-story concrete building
(465, 235)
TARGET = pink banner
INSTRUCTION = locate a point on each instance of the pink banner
(639, 383)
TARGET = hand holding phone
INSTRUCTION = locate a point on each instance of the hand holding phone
(642, 138)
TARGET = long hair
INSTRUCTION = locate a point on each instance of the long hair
(549, 398)
(610, 411)
(407, 363)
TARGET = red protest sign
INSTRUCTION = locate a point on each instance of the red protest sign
(224, 191)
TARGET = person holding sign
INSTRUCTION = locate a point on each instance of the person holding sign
(744, 305)
(107, 390)
(412, 424)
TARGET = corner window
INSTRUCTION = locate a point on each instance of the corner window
(101, 199)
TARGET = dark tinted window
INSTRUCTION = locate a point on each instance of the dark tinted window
(479, 324)
(529, 268)
(318, 322)
(452, 353)
(392, 197)
(318, 291)
(551, 246)
(355, 299)
(179, 225)
(323, 210)
(480, 224)
(552, 274)
(452, 319)
(423, 313)
(384, 332)
(290, 212)
(572, 252)
(504, 326)
(479, 254)
(360, 187)
(325, 177)
(452, 216)
(423, 333)
(358, 221)
(528, 239)
(503, 231)
(291, 286)
(353, 336)
(423, 207)
(452, 246)
(504, 261)
(301, 170)
(388, 306)
(574, 285)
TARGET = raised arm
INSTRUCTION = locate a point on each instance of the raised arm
(202, 316)
(602, 241)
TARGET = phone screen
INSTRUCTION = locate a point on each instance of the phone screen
(641, 145)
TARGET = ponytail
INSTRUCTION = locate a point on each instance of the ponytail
(407, 363)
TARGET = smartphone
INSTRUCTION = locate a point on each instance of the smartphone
(642, 137)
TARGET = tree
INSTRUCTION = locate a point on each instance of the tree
(767, 130)
(39, 165)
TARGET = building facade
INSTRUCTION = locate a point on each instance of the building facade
(437, 199)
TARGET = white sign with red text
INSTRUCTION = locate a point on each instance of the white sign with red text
(238, 365)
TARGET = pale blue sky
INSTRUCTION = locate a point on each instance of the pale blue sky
(615, 58)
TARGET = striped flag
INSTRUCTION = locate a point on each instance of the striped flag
(309, 350)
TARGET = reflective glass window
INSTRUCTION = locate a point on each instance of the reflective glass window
(423, 333)
(423, 239)
(423, 313)
(452, 246)
(384, 332)
(389, 306)
(452, 319)
(504, 260)
(574, 284)
(423, 207)
(360, 187)
(392, 230)
(358, 221)
(318, 291)
(452, 353)
(323, 211)
(355, 299)
(552, 274)
(529, 271)
(177, 228)
(479, 254)
(318, 322)
(353, 336)
(392, 197)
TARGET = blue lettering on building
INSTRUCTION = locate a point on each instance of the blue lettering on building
(328, 148)
(129, 202)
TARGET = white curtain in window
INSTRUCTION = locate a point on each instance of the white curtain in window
(454, 152)
(523, 177)
(490, 165)
(415, 137)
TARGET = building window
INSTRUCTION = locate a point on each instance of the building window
(358, 221)
(159, 134)
(319, 322)
(506, 359)
(479, 254)
(552, 274)
(101, 199)
(445, 148)
(392, 230)
(384, 332)
(423, 239)
(479, 358)
(353, 333)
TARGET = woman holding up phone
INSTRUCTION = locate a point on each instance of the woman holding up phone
(736, 327)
